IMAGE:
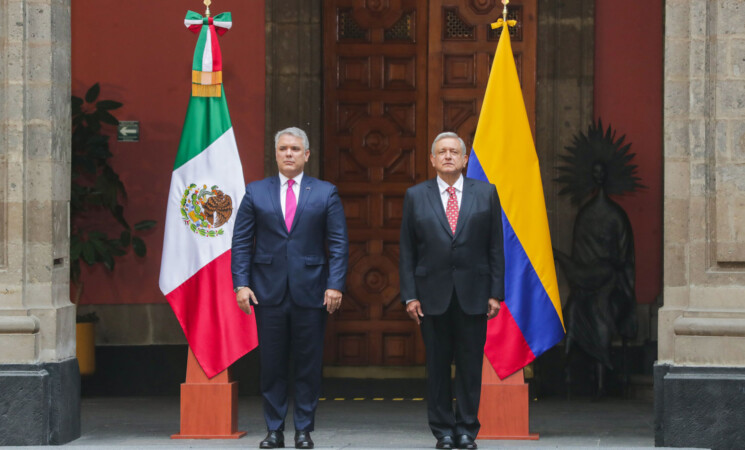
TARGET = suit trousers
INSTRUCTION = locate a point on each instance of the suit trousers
(287, 330)
(454, 335)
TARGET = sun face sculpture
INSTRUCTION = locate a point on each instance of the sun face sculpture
(597, 160)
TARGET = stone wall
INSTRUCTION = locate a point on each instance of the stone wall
(700, 375)
(37, 320)
(293, 76)
(703, 319)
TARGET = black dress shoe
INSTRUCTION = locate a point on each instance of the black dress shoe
(273, 439)
(303, 440)
(466, 441)
(445, 442)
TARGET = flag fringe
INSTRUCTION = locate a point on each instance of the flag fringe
(208, 90)
(206, 78)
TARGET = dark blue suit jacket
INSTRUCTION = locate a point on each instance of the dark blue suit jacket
(433, 261)
(310, 258)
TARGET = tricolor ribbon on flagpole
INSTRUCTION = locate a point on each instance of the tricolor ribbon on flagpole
(206, 73)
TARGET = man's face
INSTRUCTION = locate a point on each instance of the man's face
(448, 158)
(291, 155)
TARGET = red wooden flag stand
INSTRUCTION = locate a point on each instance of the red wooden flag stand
(503, 410)
(209, 407)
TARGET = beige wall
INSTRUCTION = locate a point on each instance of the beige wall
(37, 321)
(703, 318)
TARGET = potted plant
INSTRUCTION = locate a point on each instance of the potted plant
(96, 190)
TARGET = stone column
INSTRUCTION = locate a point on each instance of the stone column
(39, 377)
(700, 374)
(293, 76)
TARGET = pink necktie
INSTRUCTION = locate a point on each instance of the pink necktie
(452, 209)
(290, 204)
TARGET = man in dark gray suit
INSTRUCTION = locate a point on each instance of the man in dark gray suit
(452, 281)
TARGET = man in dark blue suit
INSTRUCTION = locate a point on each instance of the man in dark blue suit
(290, 253)
(452, 280)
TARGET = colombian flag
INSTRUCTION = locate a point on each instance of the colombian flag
(530, 321)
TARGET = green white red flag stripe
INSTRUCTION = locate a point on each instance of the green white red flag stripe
(207, 187)
(207, 56)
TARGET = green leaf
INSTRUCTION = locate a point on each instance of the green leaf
(96, 235)
(213, 188)
(192, 186)
(108, 261)
(139, 246)
(92, 93)
(108, 105)
(100, 248)
(77, 105)
(221, 231)
(118, 213)
(211, 233)
(193, 227)
(89, 253)
(105, 117)
(92, 121)
(76, 247)
(75, 270)
(125, 238)
(145, 224)
(202, 232)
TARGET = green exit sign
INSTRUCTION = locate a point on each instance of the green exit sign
(128, 131)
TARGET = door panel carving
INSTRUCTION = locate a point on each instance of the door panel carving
(375, 148)
(461, 49)
(397, 73)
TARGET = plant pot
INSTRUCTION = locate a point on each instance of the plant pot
(86, 347)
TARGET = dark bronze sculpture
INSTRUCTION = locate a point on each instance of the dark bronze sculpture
(600, 270)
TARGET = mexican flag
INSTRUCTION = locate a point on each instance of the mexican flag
(206, 190)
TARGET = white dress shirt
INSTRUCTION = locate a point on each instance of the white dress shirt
(283, 190)
(458, 185)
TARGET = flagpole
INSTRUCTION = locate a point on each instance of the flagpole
(504, 410)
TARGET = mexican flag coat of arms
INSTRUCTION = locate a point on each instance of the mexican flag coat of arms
(206, 189)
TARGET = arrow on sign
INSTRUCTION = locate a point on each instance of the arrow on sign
(125, 130)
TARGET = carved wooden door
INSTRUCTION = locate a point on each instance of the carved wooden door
(375, 132)
(461, 50)
(398, 72)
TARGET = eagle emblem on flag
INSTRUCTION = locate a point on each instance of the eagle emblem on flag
(205, 210)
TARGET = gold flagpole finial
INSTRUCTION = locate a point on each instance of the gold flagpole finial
(503, 20)
(207, 4)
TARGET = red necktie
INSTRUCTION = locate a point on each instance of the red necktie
(452, 210)
(290, 204)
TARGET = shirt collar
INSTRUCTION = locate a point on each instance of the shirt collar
(458, 185)
(283, 179)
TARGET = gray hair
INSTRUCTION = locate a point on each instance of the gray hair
(449, 134)
(293, 131)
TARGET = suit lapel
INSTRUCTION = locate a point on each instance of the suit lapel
(274, 196)
(306, 187)
(465, 206)
(435, 200)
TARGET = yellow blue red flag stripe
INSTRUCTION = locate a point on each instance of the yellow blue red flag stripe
(530, 321)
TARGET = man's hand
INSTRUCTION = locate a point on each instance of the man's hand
(414, 310)
(244, 297)
(494, 306)
(332, 300)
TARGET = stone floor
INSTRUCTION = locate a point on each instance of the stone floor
(148, 422)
